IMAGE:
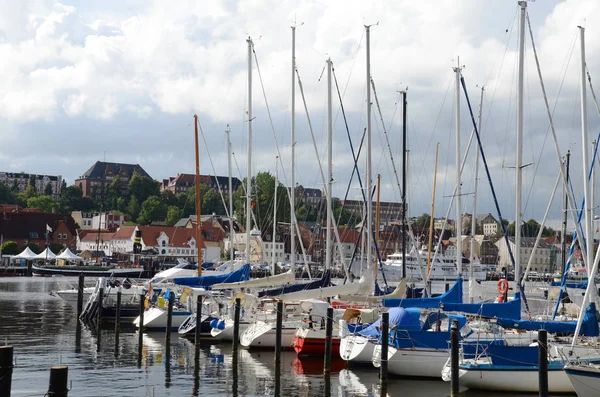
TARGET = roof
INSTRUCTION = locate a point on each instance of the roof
(93, 236)
(32, 225)
(529, 242)
(178, 236)
(100, 169)
(348, 235)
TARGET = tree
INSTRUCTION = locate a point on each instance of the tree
(422, 221)
(113, 193)
(211, 203)
(32, 180)
(48, 189)
(70, 199)
(56, 248)
(133, 208)
(7, 196)
(121, 205)
(87, 204)
(168, 197)
(45, 203)
(10, 248)
(152, 210)
(143, 187)
(173, 215)
(34, 247)
(15, 186)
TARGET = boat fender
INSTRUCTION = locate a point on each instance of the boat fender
(221, 325)
(502, 286)
(213, 323)
(126, 283)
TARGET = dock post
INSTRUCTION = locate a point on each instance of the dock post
(58, 381)
(543, 362)
(454, 386)
(385, 329)
(170, 320)
(100, 305)
(141, 329)
(236, 325)
(328, 341)
(6, 369)
(278, 333)
(80, 288)
(198, 329)
(118, 322)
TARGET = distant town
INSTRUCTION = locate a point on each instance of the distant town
(99, 214)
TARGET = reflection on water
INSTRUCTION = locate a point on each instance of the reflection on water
(43, 330)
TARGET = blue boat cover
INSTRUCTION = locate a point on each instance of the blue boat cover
(589, 324)
(399, 318)
(425, 338)
(506, 310)
(513, 355)
(242, 274)
(323, 282)
(454, 294)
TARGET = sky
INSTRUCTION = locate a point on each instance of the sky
(121, 80)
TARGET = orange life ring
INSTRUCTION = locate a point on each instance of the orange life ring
(501, 299)
(503, 286)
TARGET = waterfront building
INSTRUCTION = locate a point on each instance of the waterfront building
(25, 227)
(95, 220)
(541, 260)
(19, 181)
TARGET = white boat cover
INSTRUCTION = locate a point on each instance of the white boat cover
(363, 287)
(316, 307)
(69, 256)
(26, 254)
(398, 293)
(280, 279)
(46, 254)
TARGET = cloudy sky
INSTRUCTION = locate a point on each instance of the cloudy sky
(120, 80)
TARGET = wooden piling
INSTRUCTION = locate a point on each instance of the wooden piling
(543, 362)
(454, 385)
(197, 340)
(236, 324)
(278, 333)
(118, 322)
(80, 288)
(170, 319)
(6, 369)
(328, 341)
(141, 329)
(100, 305)
(385, 327)
(59, 376)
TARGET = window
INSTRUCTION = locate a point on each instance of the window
(163, 252)
(164, 243)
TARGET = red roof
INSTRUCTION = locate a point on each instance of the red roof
(178, 236)
(93, 236)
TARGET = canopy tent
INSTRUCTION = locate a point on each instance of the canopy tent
(45, 254)
(67, 255)
(26, 254)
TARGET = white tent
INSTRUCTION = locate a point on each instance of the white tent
(45, 254)
(26, 254)
(69, 256)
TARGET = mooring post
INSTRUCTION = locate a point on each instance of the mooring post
(100, 304)
(118, 322)
(278, 332)
(236, 324)
(198, 329)
(80, 288)
(59, 376)
(328, 341)
(6, 369)
(170, 320)
(385, 329)
(543, 362)
(454, 386)
(141, 329)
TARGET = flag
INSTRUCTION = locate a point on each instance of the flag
(48, 228)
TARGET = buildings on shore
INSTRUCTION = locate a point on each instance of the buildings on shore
(19, 181)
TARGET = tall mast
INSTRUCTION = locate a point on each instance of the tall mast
(274, 216)
(437, 148)
(519, 162)
(565, 210)
(231, 231)
(474, 215)
(369, 171)
(198, 217)
(249, 166)
(404, 172)
(377, 208)
(589, 257)
(458, 187)
(329, 160)
(293, 147)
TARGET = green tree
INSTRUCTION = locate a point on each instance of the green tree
(15, 186)
(422, 221)
(45, 203)
(56, 248)
(121, 205)
(48, 189)
(113, 192)
(211, 203)
(34, 247)
(32, 180)
(29, 192)
(169, 198)
(133, 208)
(10, 248)
(173, 215)
(7, 196)
(70, 199)
(87, 204)
(143, 187)
(152, 210)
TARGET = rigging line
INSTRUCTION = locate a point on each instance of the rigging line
(242, 185)
(592, 88)
(292, 205)
(559, 156)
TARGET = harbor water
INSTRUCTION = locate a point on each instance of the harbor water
(42, 328)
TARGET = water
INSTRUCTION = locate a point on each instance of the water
(42, 328)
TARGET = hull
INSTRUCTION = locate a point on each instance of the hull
(70, 295)
(76, 271)
(188, 327)
(421, 363)
(262, 335)
(309, 342)
(226, 334)
(155, 319)
(584, 379)
(357, 349)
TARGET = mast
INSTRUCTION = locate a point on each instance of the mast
(293, 147)
(437, 148)
(377, 208)
(404, 172)
(474, 216)
(231, 231)
(249, 166)
(585, 143)
(458, 187)
(198, 217)
(564, 225)
(519, 154)
(329, 161)
(274, 216)
(369, 171)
